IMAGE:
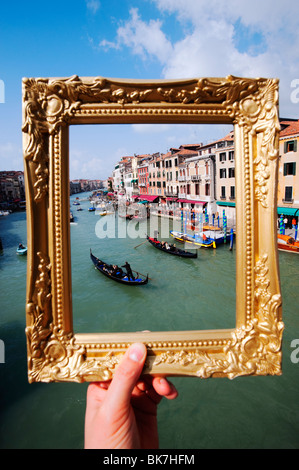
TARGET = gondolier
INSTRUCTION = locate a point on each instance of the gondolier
(129, 271)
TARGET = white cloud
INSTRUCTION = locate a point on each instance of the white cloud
(145, 39)
(93, 5)
(251, 39)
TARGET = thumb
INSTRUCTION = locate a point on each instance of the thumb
(126, 376)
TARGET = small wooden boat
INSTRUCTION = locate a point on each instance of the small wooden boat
(22, 250)
(193, 239)
(287, 243)
(102, 213)
(106, 269)
(171, 249)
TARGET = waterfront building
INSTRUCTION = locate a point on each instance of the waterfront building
(225, 176)
(12, 189)
(143, 175)
(288, 174)
(157, 175)
(202, 176)
(84, 185)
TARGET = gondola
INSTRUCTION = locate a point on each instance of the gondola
(105, 269)
(172, 250)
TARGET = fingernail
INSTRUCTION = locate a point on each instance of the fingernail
(136, 352)
(163, 381)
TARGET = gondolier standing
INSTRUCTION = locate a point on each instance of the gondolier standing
(129, 271)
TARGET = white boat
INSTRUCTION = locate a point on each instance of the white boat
(21, 250)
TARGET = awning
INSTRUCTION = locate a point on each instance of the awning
(148, 198)
(190, 201)
(171, 199)
(225, 203)
(288, 210)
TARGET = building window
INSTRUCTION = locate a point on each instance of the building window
(232, 192)
(289, 169)
(288, 193)
(290, 146)
(222, 172)
(231, 155)
(231, 172)
(222, 157)
(222, 192)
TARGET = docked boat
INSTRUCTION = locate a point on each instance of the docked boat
(287, 243)
(215, 235)
(91, 209)
(195, 240)
(121, 277)
(21, 250)
(170, 249)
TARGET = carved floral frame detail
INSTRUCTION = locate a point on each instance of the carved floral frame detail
(50, 106)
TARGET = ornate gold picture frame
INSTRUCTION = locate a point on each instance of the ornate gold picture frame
(50, 106)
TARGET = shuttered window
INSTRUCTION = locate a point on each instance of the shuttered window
(290, 146)
(289, 168)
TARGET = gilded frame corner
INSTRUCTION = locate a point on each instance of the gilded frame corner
(50, 106)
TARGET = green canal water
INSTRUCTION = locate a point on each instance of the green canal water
(248, 412)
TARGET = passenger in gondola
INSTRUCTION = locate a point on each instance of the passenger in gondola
(115, 270)
(21, 246)
(129, 271)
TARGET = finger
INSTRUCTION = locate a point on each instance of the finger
(164, 388)
(96, 393)
(126, 376)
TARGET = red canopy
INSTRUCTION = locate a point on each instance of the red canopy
(148, 198)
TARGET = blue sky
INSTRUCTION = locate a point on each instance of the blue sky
(140, 39)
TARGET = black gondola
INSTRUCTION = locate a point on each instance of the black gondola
(172, 249)
(105, 269)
